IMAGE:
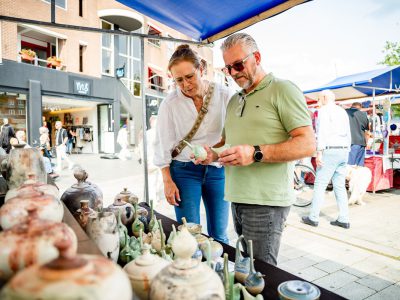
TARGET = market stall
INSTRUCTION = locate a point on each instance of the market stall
(377, 89)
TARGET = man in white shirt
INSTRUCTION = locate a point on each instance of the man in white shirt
(61, 148)
(333, 146)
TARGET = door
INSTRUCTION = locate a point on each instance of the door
(106, 128)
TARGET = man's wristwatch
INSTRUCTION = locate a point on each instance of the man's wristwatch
(258, 155)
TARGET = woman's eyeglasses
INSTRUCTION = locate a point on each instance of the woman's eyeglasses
(240, 109)
(188, 77)
(237, 66)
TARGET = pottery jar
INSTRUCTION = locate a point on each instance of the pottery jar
(82, 215)
(15, 210)
(82, 190)
(33, 242)
(84, 277)
(186, 278)
(128, 196)
(216, 249)
(142, 270)
(127, 210)
(103, 230)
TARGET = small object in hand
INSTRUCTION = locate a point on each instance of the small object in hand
(221, 149)
(198, 151)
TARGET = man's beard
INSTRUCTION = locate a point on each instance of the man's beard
(248, 83)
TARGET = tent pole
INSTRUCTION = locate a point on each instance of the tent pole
(144, 123)
(373, 121)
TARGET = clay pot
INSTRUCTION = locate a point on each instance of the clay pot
(15, 210)
(82, 190)
(128, 196)
(127, 210)
(142, 270)
(102, 229)
(33, 242)
(83, 214)
(242, 264)
(70, 277)
(22, 162)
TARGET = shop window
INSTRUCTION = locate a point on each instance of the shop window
(11, 111)
(153, 31)
(21, 112)
(21, 103)
(81, 8)
(107, 50)
(11, 103)
(155, 80)
(16, 117)
(59, 3)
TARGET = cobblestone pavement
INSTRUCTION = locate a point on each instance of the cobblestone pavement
(362, 262)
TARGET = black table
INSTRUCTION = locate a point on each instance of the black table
(273, 275)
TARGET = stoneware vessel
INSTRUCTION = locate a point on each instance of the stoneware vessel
(127, 253)
(15, 210)
(186, 278)
(127, 210)
(192, 227)
(142, 270)
(122, 232)
(84, 277)
(82, 190)
(137, 225)
(198, 151)
(242, 264)
(22, 162)
(82, 215)
(298, 290)
(216, 249)
(254, 282)
(102, 229)
(33, 242)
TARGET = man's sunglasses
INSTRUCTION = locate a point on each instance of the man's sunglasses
(237, 66)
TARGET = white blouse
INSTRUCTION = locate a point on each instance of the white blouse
(176, 117)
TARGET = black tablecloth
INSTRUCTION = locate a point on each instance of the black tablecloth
(273, 275)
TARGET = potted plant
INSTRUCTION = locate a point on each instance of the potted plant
(54, 61)
(27, 54)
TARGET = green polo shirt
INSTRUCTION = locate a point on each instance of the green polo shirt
(273, 109)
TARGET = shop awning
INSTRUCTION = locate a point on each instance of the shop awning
(210, 20)
(385, 81)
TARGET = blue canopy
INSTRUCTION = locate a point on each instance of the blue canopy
(210, 20)
(385, 81)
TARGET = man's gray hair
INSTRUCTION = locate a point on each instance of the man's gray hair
(244, 39)
(326, 96)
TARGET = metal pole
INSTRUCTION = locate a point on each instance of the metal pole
(53, 11)
(144, 124)
(373, 132)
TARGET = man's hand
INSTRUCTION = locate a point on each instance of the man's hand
(211, 156)
(319, 160)
(240, 155)
(171, 192)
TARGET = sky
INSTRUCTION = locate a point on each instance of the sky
(315, 42)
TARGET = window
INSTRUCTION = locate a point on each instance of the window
(153, 31)
(81, 8)
(107, 49)
(11, 103)
(81, 51)
(21, 112)
(21, 103)
(59, 3)
(11, 111)
(155, 80)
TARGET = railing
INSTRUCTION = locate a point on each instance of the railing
(36, 61)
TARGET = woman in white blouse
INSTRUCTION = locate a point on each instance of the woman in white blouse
(184, 182)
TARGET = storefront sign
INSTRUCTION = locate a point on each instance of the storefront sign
(82, 87)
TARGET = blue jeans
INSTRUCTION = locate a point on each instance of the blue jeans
(357, 155)
(207, 182)
(334, 167)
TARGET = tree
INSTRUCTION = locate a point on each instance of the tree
(392, 54)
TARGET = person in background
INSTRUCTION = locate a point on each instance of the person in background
(21, 137)
(185, 183)
(267, 126)
(7, 132)
(61, 141)
(333, 146)
(44, 140)
(47, 164)
(359, 126)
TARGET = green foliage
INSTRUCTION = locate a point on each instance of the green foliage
(392, 54)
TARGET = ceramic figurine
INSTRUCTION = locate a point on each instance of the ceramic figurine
(198, 151)
(128, 254)
(172, 235)
(248, 296)
(122, 232)
(216, 249)
(186, 278)
(84, 277)
(254, 283)
(221, 149)
(142, 270)
(153, 220)
(232, 290)
(102, 229)
(82, 190)
(137, 225)
(127, 210)
(242, 264)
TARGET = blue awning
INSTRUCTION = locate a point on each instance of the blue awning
(210, 20)
(385, 81)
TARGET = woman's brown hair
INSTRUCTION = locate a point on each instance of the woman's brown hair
(184, 53)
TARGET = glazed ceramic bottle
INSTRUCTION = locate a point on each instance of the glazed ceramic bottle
(122, 232)
(137, 225)
(127, 210)
(254, 282)
(82, 215)
(242, 264)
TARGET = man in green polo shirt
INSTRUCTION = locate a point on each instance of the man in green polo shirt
(268, 127)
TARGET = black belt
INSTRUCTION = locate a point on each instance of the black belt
(336, 147)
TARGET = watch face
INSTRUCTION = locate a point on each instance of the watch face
(258, 155)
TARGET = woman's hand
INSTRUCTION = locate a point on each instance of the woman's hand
(211, 157)
(171, 192)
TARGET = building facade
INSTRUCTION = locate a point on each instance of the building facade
(71, 76)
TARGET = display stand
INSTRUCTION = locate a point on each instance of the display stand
(381, 179)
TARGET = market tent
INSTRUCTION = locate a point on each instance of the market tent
(210, 20)
(382, 81)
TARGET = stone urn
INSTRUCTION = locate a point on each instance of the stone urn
(103, 230)
(20, 163)
(82, 190)
(142, 270)
(127, 210)
(186, 278)
(33, 242)
(84, 277)
(15, 210)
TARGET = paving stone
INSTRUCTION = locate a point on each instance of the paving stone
(355, 291)
(293, 253)
(335, 280)
(282, 259)
(315, 258)
(299, 263)
(390, 273)
(329, 266)
(374, 282)
(355, 272)
(370, 265)
(311, 273)
(390, 293)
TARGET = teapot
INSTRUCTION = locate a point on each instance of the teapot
(127, 210)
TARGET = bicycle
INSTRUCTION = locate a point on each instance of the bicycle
(304, 177)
